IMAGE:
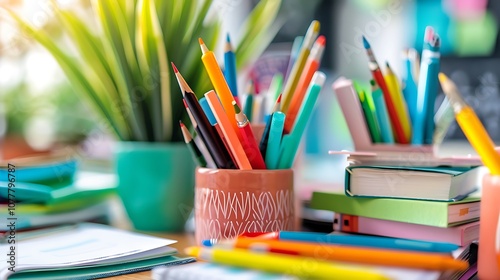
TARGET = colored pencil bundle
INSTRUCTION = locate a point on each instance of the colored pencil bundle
(404, 114)
(224, 136)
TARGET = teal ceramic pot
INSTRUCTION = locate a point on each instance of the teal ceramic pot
(156, 184)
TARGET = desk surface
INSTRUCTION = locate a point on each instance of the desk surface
(183, 240)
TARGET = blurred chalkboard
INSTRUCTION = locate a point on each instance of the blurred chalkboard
(478, 80)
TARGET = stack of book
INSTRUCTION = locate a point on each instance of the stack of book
(425, 203)
(50, 190)
(434, 203)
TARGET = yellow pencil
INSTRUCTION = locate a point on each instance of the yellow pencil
(471, 126)
(310, 268)
(298, 66)
(392, 83)
(220, 84)
(234, 144)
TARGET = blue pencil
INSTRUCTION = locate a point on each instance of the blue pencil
(369, 241)
(230, 69)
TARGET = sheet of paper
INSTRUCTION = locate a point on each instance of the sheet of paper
(86, 244)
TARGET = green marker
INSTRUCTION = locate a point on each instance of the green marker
(274, 141)
(290, 142)
(370, 116)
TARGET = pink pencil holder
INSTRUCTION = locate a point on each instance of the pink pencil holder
(230, 202)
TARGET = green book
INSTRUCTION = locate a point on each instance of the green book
(423, 212)
(443, 183)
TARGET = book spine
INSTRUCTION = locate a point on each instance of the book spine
(460, 235)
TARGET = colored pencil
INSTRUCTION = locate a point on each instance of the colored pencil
(249, 143)
(372, 256)
(391, 108)
(219, 83)
(472, 126)
(265, 135)
(306, 268)
(213, 141)
(298, 66)
(399, 102)
(230, 69)
(229, 134)
(188, 139)
(312, 65)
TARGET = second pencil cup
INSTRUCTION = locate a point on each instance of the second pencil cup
(230, 202)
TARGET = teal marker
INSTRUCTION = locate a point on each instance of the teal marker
(248, 108)
(423, 127)
(290, 142)
(410, 82)
(274, 141)
(382, 114)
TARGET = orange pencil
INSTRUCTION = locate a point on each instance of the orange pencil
(220, 85)
(312, 65)
(408, 259)
(249, 143)
(229, 134)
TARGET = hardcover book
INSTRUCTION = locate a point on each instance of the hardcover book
(427, 183)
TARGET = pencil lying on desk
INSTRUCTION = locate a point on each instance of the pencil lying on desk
(408, 259)
(307, 268)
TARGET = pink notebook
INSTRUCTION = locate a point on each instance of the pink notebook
(461, 235)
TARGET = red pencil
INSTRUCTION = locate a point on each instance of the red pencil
(397, 126)
(248, 140)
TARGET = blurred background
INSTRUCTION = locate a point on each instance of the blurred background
(39, 111)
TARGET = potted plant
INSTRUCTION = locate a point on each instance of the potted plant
(121, 68)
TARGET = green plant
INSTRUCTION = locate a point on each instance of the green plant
(122, 69)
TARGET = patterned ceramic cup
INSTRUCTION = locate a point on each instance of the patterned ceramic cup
(229, 202)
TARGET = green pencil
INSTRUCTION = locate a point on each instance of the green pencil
(197, 155)
(290, 142)
(370, 116)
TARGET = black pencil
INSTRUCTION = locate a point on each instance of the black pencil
(212, 140)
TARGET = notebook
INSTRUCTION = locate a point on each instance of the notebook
(83, 251)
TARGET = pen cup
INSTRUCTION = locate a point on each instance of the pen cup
(488, 265)
(229, 202)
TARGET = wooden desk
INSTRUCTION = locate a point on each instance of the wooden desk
(183, 240)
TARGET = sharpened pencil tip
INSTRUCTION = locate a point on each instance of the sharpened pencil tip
(201, 41)
(279, 98)
(185, 103)
(181, 124)
(365, 43)
(442, 78)
(192, 251)
(228, 39)
(175, 68)
(372, 82)
(387, 64)
(237, 109)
